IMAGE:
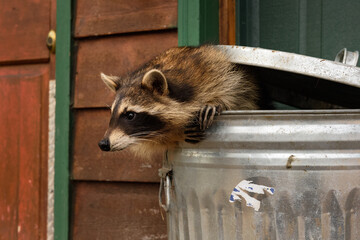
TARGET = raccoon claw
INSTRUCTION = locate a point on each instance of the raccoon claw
(206, 116)
(194, 135)
(195, 131)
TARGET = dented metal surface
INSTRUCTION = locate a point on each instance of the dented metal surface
(311, 158)
(291, 62)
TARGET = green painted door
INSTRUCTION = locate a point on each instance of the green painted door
(198, 22)
(319, 28)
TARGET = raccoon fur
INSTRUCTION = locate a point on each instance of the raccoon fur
(174, 98)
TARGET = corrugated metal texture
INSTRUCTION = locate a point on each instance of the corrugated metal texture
(311, 158)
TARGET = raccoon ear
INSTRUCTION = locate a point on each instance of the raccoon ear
(154, 80)
(112, 82)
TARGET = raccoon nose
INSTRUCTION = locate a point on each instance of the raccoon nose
(104, 144)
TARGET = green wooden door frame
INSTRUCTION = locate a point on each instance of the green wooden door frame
(62, 120)
(198, 22)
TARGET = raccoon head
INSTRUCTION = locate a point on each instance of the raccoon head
(136, 113)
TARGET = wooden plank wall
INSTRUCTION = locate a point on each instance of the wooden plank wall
(114, 194)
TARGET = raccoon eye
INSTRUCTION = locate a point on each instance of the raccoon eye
(130, 115)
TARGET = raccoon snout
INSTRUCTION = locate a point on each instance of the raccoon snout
(104, 144)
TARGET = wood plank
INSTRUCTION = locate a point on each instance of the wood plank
(94, 17)
(23, 33)
(44, 150)
(63, 129)
(227, 22)
(90, 163)
(22, 198)
(117, 211)
(113, 56)
(9, 164)
(30, 161)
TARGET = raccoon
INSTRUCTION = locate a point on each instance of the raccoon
(174, 98)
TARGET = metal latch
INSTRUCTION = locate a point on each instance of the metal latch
(165, 184)
(165, 174)
(347, 57)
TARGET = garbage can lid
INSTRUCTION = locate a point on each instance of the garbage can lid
(296, 63)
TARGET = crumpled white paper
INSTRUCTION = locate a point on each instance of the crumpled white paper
(249, 187)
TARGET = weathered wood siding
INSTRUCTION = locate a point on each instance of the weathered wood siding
(115, 195)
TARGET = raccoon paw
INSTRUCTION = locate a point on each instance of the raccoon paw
(206, 116)
(193, 134)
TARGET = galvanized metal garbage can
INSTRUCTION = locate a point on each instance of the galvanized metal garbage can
(311, 158)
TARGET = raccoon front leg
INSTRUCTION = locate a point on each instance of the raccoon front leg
(206, 116)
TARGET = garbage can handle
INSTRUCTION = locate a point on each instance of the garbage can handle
(347, 57)
(165, 184)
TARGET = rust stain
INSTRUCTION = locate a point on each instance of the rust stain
(290, 160)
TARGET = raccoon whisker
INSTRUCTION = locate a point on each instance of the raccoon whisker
(149, 137)
(147, 134)
(116, 146)
(155, 134)
(140, 134)
(139, 143)
(148, 140)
